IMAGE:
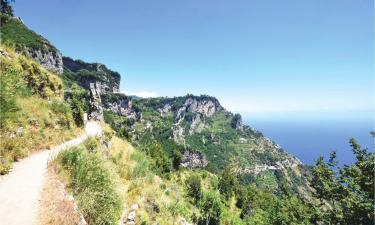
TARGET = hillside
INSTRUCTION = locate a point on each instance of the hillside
(170, 160)
(207, 136)
(34, 114)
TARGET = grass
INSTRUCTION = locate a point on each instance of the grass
(15, 33)
(56, 208)
(93, 185)
(33, 113)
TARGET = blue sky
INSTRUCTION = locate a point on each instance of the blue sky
(265, 56)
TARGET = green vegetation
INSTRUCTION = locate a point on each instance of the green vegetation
(82, 73)
(33, 113)
(92, 183)
(15, 34)
(240, 186)
(348, 190)
(6, 8)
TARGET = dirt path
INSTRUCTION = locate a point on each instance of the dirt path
(20, 190)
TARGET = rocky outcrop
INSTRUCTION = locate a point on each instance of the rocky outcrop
(165, 110)
(197, 109)
(205, 107)
(237, 123)
(96, 109)
(84, 73)
(193, 159)
(120, 104)
(51, 59)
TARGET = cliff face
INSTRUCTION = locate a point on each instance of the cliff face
(97, 79)
(48, 58)
(106, 80)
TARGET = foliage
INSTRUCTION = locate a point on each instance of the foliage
(92, 185)
(9, 86)
(32, 115)
(78, 100)
(348, 190)
(162, 163)
(194, 187)
(91, 144)
(6, 8)
(15, 34)
(177, 158)
(227, 183)
(211, 208)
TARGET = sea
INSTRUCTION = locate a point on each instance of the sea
(309, 138)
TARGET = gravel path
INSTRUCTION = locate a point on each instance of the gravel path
(20, 190)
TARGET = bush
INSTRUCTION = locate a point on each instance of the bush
(211, 209)
(78, 104)
(9, 84)
(194, 187)
(91, 144)
(5, 166)
(92, 184)
(177, 158)
(42, 82)
(162, 164)
(227, 183)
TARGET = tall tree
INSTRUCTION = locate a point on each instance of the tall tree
(348, 191)
(6, 7)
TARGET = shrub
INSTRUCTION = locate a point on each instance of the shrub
(42, 82)
(5, 166)
(91, 144)
(211, 208)
(93, 186)
(194, 187)
(177, 158)
(162, 163)
(9, 84)
(227, 183)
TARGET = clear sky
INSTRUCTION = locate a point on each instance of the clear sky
(253, 55)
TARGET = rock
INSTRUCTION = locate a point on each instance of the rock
(4, 54)
(184, 222)
(237, 123)
(107, 80)
(165, 110)
(131, 216)
(193, 159)
(96, 109)
(135, 207)
(120, 104)
(50, 59)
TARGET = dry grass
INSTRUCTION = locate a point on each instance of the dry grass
(56, 208)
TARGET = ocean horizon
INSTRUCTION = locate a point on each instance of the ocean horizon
(309, 138)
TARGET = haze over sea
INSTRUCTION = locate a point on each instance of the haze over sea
(310, 136)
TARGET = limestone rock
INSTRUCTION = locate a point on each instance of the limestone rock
(51, 59)
(193, 159)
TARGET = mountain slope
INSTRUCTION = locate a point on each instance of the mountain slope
(207, 135)
(18, 36)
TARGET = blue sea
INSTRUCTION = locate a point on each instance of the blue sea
(309, 138)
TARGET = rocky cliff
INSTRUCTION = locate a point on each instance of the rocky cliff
(106, 80)
(97, 79)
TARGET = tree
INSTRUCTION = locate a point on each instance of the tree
(227, 183)
(162, 163)
(177, 158)
(6, 8)
(347, 190)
